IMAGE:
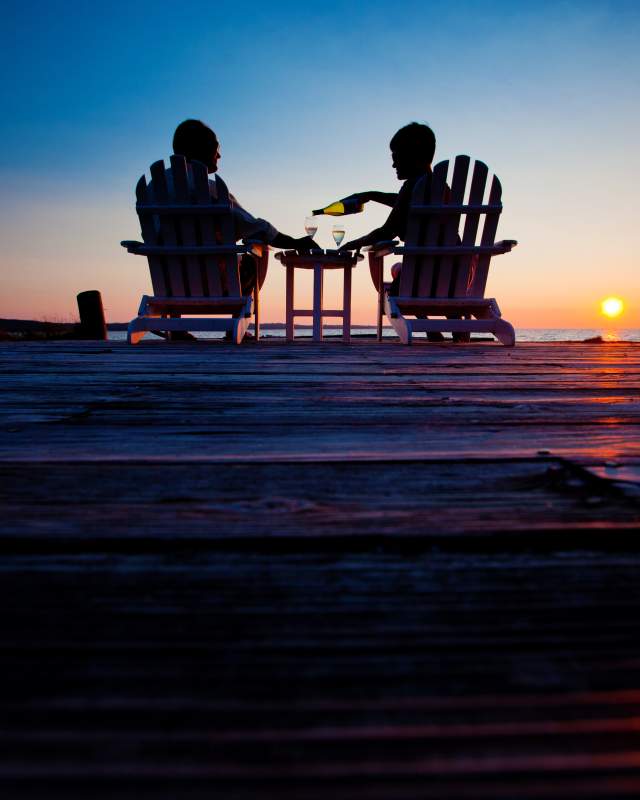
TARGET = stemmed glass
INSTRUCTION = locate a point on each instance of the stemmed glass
(311, 226)
(338, 232)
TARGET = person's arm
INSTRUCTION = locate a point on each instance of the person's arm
(286, 242)
(385, 198)
(377, 235)
(389, 230)
(250, 227)
(392, 228)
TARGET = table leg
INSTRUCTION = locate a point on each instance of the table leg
(318, 273)
(289, 304)
(346, 306)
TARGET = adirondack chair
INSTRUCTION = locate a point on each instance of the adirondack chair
(189, 240)
(442, 274)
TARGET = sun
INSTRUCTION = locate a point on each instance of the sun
(612, 307)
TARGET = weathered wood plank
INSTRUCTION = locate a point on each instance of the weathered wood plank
(308, 571)
(538, 503)
(509, 635)
(445, 402)
(231, 442)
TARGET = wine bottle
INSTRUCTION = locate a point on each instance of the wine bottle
(348, 205)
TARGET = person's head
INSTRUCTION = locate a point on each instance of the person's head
(412, 149)
(197, 142)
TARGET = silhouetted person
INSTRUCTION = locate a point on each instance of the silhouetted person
(412, 151)
(197, 142)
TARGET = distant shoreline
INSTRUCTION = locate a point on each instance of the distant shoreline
(19, 325)
(268, 326)
(34, 330)
(24, 325)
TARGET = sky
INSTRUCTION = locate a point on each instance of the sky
(304, 99)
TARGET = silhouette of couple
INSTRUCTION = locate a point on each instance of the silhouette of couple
(412, 149)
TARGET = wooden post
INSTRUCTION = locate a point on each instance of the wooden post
(92, 321)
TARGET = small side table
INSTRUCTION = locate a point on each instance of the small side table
(318, 261)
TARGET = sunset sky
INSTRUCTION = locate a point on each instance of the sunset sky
(304, 98)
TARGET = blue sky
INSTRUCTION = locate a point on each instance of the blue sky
(304, 98)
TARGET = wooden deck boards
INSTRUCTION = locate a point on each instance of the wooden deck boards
(304, 571)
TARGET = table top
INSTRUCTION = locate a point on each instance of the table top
(329, 259)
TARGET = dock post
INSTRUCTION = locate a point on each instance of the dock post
(92, 321)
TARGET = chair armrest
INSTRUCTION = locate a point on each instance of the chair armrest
(455, 249)
(381, 249)
(505, 246)
(256, 247)
(142, 249)
(131, 246)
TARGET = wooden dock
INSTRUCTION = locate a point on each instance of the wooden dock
(309, 571)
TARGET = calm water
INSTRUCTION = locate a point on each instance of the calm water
(522, 334)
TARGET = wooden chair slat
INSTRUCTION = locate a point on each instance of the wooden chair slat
(449, 265)
(489, 229)
(173, 275)
(227, 234)
(209, 266)
(157, 265)
(186, 226)
(415, 230)
(476, 193)
(429, 266)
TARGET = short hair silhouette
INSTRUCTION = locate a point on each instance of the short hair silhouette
(415, 139)
(195, 141)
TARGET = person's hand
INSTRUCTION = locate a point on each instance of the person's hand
(305, 243)
(354, 244)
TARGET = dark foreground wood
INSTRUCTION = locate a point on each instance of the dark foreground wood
(302, 571)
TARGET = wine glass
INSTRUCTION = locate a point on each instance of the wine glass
(338, 232)
(311, 226)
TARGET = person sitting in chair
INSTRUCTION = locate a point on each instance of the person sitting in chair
(412, 151)
(197, 142)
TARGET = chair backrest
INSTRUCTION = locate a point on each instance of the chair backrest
(437, 207)
(181, 208)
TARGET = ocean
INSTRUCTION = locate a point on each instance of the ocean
(522, 334)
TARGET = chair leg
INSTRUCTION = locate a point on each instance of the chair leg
(409, 333)
(236, 331)
(256, 312)
(134, 335)
(380, 301)
(504, 332)
(501, 329)
(137, 329)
